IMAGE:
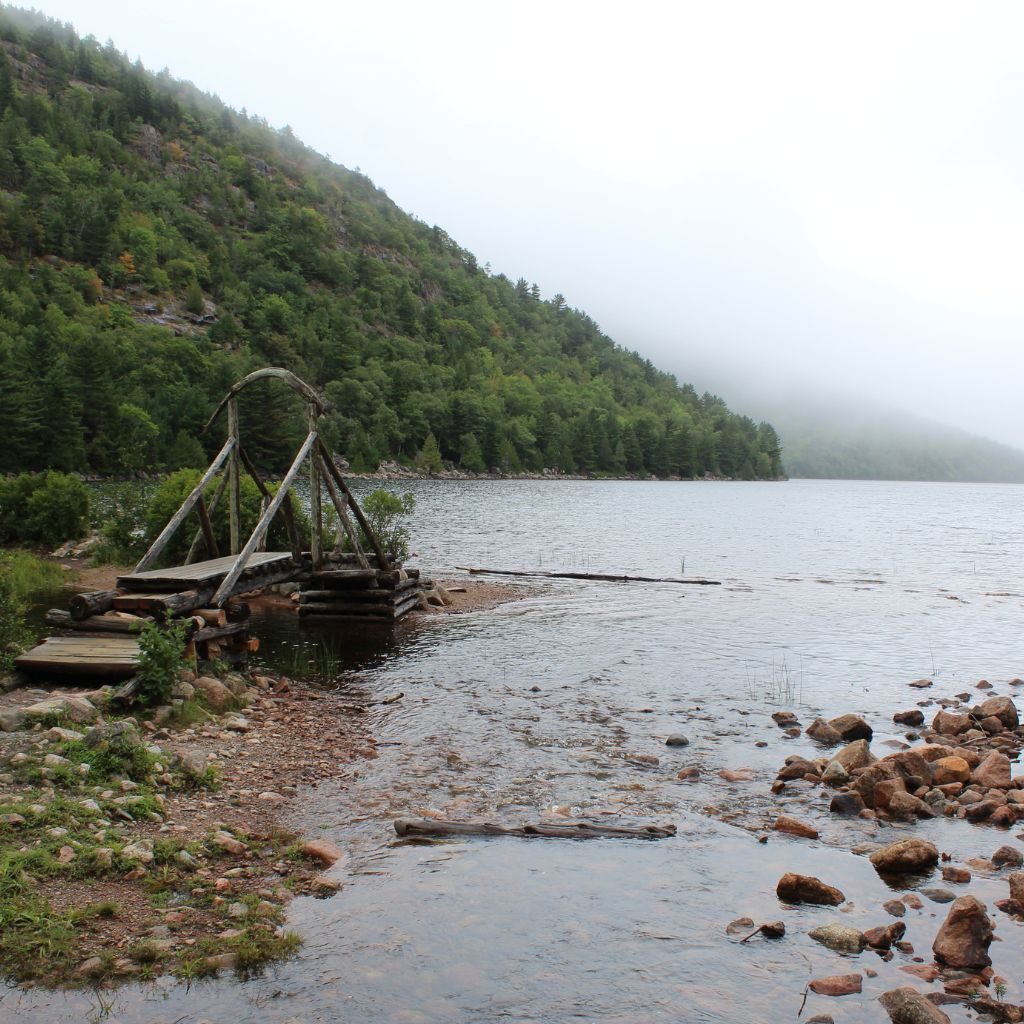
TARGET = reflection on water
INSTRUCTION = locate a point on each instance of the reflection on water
(834, 596)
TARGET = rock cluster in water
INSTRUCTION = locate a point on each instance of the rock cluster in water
(961, 767)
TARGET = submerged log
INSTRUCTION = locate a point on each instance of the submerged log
(602, 577)
(541, 830)
(95, 602)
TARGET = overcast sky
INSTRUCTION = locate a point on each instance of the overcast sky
(771, 194)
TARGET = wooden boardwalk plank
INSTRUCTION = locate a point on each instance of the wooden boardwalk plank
(182, 577)
(82, 655)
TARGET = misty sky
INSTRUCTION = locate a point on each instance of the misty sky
(756, 196)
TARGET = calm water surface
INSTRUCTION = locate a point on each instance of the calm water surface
(834, 596)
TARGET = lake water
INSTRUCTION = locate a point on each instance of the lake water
(833, 596)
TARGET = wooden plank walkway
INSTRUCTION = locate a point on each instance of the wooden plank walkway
(203, 574)
(82, 655)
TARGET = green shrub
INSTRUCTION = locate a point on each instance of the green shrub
(175, 489)
(13, 631)
(161, 653)
(386, 513)
(43, 509)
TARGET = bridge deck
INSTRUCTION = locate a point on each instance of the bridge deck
(83, 656)
(199, 574)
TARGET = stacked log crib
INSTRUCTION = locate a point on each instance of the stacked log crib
(349, 590)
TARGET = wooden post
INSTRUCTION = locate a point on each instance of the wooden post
(207, 528)
(228, 585)
(316, 541)
(345, 526)
(235, 495)
(286, 508)
(382, 558)
(176, 520)
(198, 538)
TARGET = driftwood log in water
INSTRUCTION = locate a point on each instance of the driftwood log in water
(543, 830)
(602, 577)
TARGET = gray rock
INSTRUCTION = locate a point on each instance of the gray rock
(840, 938)
(12, 719)
(75, 709)
(677, 740)
(908, 1006)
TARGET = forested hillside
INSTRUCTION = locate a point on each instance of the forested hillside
(155, 246)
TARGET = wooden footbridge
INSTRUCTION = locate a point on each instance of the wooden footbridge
(342, 578)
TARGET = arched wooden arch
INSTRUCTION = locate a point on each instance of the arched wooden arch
(231, 460)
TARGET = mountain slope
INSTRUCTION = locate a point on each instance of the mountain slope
(839, 437)
(156, 245)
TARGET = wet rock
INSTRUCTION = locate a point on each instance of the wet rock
(950, 769)
(905, 805)
(908, 856)
(677, 740)
(855, 755)
(835, 774)
(840, 938)
(784, 719)
(794, 888)
(908, 1006)
(689, 774)
(821, 732)
(937, 895)
(1007, 856)
(851, 727)
(993, 772)
(741, 926)
(885, 791)
(837, 985)
(895, 907)
(1016, 881)
(947, 723)
(915, 716)
(849, 803)
(773, 929)
(920, 684)
(323, 887)
(959, 875)
(1002, 708)
(796, 768)
(965, 935)
(741, 775)
(868, 778)
(886, 936)
(1006, 816)
(323, 850)
(981, 810)
(821, 1018)
(216, 694)
(794, 827)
